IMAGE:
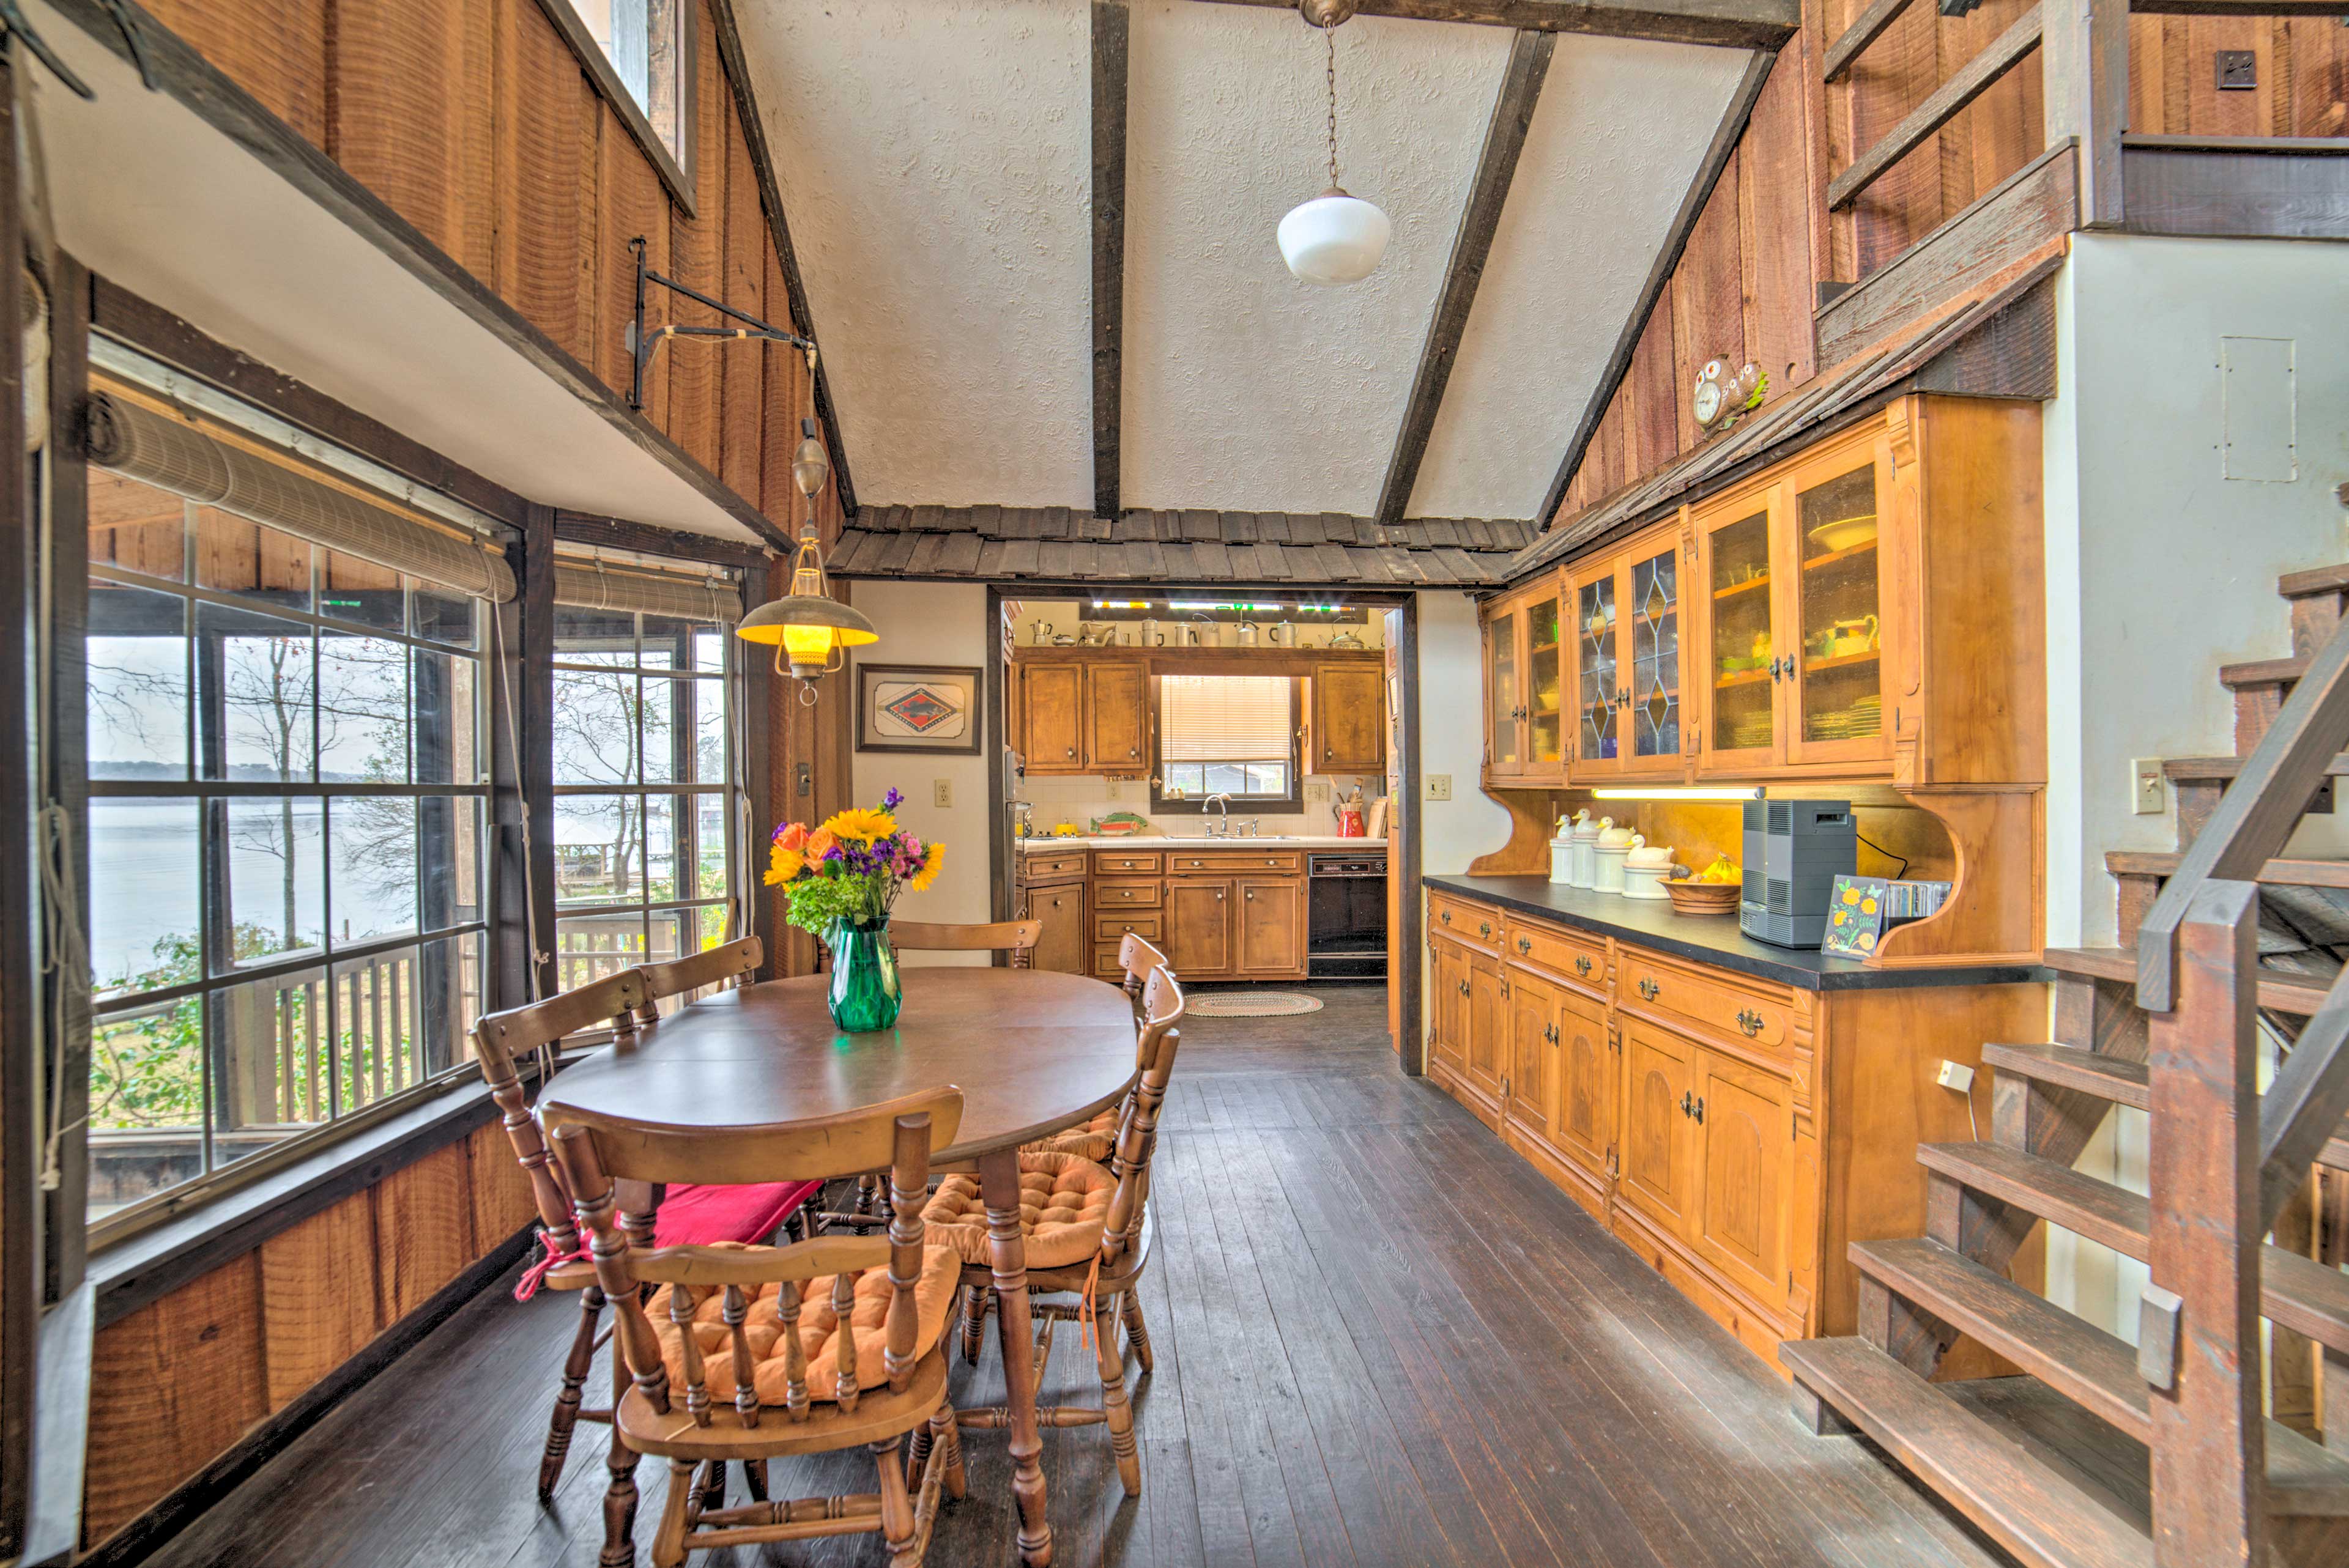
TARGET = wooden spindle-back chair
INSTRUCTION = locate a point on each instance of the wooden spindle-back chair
(1016, 937)
(764, 1403)
(1103, 1274)
(500, 1042)
(731, 964)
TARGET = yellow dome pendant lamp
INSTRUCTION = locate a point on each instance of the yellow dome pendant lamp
(810, 630)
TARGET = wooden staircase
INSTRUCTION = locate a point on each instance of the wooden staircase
(2167, 1024)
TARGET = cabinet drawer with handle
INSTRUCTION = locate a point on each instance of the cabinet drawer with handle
(1066, 867)
(1477, 924)
(1578, 960)
(1112, 927)
(1125, 895)
(1708, 998)
(1224, 862)
(1121, 863)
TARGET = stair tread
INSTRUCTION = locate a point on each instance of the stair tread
(2122, 1082)
(2290, 872)
(2261, 672)
(2316, 580)
(2042, 1518)
(2283, 993)
(2299, 1293)
(2087, 1365)
(2207, 767)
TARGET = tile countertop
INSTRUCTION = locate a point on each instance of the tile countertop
(1712, 939)
(1169, 841)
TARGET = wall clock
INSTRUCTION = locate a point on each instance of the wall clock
(1722, 396)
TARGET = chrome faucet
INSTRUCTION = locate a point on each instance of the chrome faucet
(1224, 800)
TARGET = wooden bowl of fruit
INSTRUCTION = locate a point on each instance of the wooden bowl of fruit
(1713, 890)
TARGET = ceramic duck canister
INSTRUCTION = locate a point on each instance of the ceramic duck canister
(1587, 830)
(1561, 848)
(1615, 845)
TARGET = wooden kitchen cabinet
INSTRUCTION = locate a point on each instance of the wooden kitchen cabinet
(1199, 925)
(1583, 1128)
(1659, 1134)
(1532, 1019)
(1052, 717)
(1066, 944)
(1744, 1156)
(1627, 679)
(1270, 941)
(1348, 732)
(1525, 721)
(1448, 964)
(1117, 719)
(1487, 1043)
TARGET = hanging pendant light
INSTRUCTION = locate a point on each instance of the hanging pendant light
(809, 629)
(1335, 238)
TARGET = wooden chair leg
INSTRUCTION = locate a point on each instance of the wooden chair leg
(713, 1487)
(917, 1457)
(620, 1494)
(575, 1364)
(754, 1478)
(974, 1322)
(1137, 1333)
(668, 1540)
(1114, 1400)
(896, 1508)
(948, 1436)
(868, 1193)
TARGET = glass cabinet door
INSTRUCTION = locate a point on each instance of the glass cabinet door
(1501, 692)
(1839, 690)
(1743, 661)
(1651, 619)
(1545, 730)
(1597, 677)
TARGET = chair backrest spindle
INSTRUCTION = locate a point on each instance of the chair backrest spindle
(1137, 1133)
(735, 962)
(1017, 937)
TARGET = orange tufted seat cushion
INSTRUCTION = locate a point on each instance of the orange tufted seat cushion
(1095, 1140)
(934, 1294)
(1063, 1212)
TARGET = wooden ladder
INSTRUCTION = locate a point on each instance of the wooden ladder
(2169, 1025)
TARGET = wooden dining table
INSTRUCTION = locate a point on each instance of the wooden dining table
(1033, 1052)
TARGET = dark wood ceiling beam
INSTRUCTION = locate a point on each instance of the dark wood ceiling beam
(1730, 24)
(1660, 276)
(1496, 168)
(1112, 24)
(770, 198)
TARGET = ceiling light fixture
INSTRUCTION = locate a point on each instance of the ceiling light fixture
(1334, 238)
(808, 627)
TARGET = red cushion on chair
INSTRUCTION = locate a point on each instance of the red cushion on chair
(693, 1214)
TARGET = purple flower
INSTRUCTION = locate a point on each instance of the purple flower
(893, 800)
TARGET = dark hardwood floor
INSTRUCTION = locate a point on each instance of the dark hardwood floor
(1382, 1339)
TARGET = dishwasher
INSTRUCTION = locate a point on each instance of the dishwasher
(1346, 916)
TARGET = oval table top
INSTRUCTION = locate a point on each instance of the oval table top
(1032, 1052)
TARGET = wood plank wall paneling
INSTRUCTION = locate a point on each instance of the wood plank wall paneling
(179, 1380)
(476, 122)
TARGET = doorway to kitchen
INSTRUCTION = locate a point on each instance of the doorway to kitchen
(1224, 773)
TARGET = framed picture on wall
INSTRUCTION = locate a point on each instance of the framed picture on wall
(929, 708)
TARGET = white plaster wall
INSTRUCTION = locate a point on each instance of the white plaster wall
(1452, 737)
(1618, 135)
(2159, 570)
(935, 158)
(944, 623)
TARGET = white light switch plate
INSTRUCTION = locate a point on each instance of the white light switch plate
(1439, 786)
(942, 792)
(1316, 792)
(2148, 790)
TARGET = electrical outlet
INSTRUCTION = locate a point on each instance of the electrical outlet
(2148, 790)
(1439, 786)
(1112, 789)
(1956, 1076)
(1316, 792)
(942, 792)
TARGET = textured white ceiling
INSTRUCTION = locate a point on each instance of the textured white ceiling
(935, 163)
(1621, 129)
(1245, 389)
(150, 196)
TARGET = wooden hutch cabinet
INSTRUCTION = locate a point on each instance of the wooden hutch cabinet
(1627, 614)
(1525, 690)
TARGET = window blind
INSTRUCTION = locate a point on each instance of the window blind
(166, 449)
(598, 585)
(1224, 719)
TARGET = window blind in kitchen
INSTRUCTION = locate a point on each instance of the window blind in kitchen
(157, 442)
(1224, 719)
(602, 585)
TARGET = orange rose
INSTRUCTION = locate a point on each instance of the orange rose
(819, 843)
(794, 837)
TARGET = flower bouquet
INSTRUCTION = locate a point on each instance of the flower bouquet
(840, 882)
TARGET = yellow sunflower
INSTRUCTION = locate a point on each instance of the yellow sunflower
(783, 865)
(932, 858)
(862, 825)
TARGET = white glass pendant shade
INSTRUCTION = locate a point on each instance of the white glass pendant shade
(1334, 238)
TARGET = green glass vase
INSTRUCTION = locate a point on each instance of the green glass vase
(865, 991)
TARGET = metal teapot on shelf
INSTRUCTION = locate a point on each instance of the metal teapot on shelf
(1040, 635)
(1247, 634)
(1346, 640)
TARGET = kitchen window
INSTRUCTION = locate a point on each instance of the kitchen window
(1225, 735)
(288, 775)
(649, 799)
(636, 50)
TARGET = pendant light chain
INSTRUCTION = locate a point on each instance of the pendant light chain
(1329, 36)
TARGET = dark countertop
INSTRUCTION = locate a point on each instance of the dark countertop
(1712, 939)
